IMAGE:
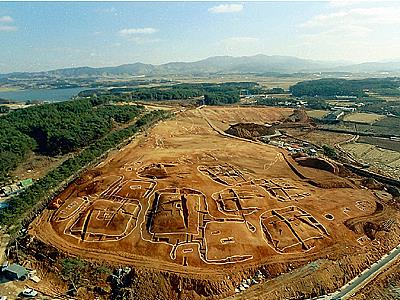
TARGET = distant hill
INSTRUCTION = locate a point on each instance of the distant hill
(218, 65)
(372, 67)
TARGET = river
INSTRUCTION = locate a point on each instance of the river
(53, 95)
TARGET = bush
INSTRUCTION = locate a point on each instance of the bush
(72, 269)
(329, 152)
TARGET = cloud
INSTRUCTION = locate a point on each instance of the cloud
(356, 16)
(6, 19)
(139, 35)
(341, 45)
(226, 8)
(355, 33)
(8, 28)
(136, 31)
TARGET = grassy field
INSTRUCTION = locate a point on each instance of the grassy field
(369, 153)
(340, 103)
(317, 114)
(264, 81)
(383, 98)
(387, 161)
(8, 89)
(382, 143)
(391, 122)
(380, 127)
(367, 118)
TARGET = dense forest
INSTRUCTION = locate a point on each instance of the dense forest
(223, 93)
(57, 128)
(4, 109)
(24, 205)
(344, 87)
(218, 98)
(381, 107)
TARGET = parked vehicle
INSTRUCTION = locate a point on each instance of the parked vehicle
(29, 292)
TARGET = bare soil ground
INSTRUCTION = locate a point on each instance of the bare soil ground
(385, 287)
(223, 116)
(319, 137)
(183, 198)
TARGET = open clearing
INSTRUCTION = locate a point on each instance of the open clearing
(264, 81)
(368, 118)
(317, 114)
(184, 198)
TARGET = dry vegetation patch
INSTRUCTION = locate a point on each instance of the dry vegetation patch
(368, 118)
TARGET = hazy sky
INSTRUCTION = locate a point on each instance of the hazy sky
(47, 35)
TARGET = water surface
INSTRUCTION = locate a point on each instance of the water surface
(53, 95)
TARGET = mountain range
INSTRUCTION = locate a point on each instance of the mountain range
(257, 64)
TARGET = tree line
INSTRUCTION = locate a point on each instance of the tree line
(57, 128)
(214, 94)
(342, 87)
(22, 207)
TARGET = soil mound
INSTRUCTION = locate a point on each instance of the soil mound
(371, 224)
(250, 130)
(88, 176)
(372, 184)
(299, 115)
(329, 183)
(317, 163)
(154, 171)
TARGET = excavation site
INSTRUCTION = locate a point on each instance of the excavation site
(188, 199)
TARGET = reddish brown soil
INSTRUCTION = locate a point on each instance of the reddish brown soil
(250, 130)
(185, 199)
(318, 163)
(384, 287)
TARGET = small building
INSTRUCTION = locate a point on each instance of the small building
(26, 183)
(10, 190)
(15, 188)
(346, 97)
(15, 272)
(349, 109)
(3, 205)
(312, 152)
